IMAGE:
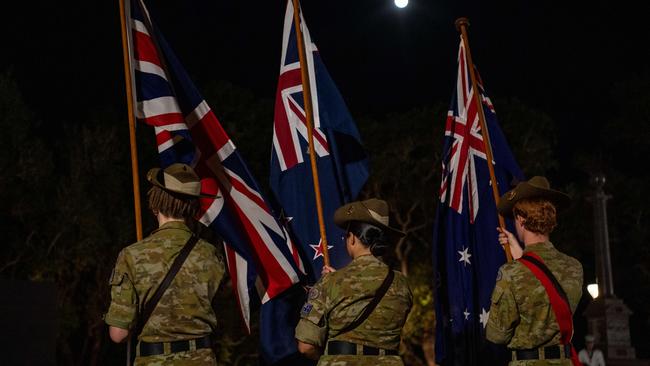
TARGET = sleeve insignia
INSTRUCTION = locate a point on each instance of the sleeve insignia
(499, 275)
(314, 293)
(306, 309)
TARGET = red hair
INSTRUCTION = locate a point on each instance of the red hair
(539, 215)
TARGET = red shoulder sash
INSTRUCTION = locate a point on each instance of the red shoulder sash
(557, 297)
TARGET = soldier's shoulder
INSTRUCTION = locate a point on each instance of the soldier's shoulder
(142, 244)
(346, 274)
(206, 246)
(571, 266)
(509, 270)
(400, 278)
(572, 261)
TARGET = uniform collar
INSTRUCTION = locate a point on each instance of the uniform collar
(172, 225)
(541, 247)
(365, 258)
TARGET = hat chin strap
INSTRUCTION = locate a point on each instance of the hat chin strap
(378, 217)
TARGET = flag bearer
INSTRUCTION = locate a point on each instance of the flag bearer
(535, 295)
(354, 316)
(179, 327)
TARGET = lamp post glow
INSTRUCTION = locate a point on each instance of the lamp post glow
(593, 290)
(401, 3)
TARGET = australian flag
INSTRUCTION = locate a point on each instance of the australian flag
(467, 254)
(340, 158)
(258, 248)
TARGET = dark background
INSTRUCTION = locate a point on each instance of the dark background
(560, 57)
(579, 70)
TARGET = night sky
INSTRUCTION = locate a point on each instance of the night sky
(558, 57)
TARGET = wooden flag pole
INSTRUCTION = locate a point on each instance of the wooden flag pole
(306, 92)
(134, 150)
(461, 25)
(129, 104)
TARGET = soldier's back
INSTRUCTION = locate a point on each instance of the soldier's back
(185, 310)
(349, 291)
(538, 326)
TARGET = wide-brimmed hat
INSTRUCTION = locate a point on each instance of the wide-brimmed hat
(372, 211)
(536, 187)
(177, 178)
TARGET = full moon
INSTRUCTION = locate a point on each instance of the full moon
(401, 3)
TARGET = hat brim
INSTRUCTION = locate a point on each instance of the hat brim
(342, 218)
(525, 190)
(154, 175)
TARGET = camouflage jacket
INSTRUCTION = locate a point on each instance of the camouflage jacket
(339, 298)
(521, 315)
(185, 310)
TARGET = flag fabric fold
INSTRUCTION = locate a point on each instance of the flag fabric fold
(466, 252)
(258, 248)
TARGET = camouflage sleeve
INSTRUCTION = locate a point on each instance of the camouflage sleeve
(312, 327)
(122, 311)
(575, 292)
(503, 312)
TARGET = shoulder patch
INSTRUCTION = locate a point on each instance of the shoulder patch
(306, 309)
(314, 293)
(499, 275)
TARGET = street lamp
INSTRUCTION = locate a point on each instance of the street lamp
(593, 290)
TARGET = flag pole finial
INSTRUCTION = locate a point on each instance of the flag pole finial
(460, 22)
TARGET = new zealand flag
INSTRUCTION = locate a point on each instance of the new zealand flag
(340, 158)
(467, 254)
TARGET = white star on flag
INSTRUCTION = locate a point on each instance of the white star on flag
(483, 318)
(464, 256)
(466, 313)
(318, 249)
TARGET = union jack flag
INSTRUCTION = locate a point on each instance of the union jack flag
(341, 161)
(467, 145)
(258, 248)
(467, 254)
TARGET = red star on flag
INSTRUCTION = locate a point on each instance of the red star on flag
(319, 249)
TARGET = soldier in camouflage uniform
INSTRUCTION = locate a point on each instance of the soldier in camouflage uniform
(182, 322)
(521, 316)
(340, 297)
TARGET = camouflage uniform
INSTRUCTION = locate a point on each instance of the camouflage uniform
(185, 311)
(521, 315)
(340, 297)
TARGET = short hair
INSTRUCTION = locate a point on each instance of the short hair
(539, 214)
(172, 204)
(370, 236)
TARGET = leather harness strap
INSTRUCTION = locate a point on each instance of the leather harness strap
(150, 305)
(381, 291)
